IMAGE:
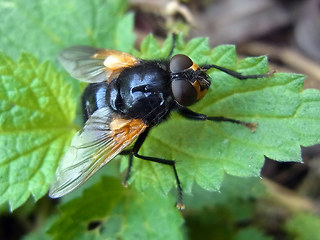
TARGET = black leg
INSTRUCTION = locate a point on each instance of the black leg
(234, 73)
(134, 152)
(131, 153)
(126, 177)
(171, 163)
(174, 39)
(187, 113)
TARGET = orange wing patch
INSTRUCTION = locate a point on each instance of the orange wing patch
(125, 131)
(93, 65)
(115, 61)
(103, 137)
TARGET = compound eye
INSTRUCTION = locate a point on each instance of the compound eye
(180, 62)
(183, 92)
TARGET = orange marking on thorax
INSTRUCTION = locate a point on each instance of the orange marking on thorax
(194, 66)
(196, 84)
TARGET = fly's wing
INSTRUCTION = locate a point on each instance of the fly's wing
(93, 65)
(103, 137)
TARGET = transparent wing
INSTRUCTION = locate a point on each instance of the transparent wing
(103, 137)
(90, 64)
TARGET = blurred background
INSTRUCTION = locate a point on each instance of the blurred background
(288, 32)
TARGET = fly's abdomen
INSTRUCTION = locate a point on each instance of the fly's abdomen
(93, 98)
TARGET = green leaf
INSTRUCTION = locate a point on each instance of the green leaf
(109, 211)
(37, 109)
(251, 233)
(303, 226)
(41, 233)
(237, 203)
(150, 48)
(48, 26)
(229, 214)
(251, 188)
(287, 117)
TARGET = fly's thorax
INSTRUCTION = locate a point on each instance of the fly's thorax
(142, 91)
(93, 98)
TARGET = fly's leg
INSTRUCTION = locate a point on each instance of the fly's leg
(134, 152)
(187, 113)
(234, 73)
(127, 176)
(174, 40)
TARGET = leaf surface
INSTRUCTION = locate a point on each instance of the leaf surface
(37, 108)
(109, 211)
(46, 27)
(303, 226)
(205, 151)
